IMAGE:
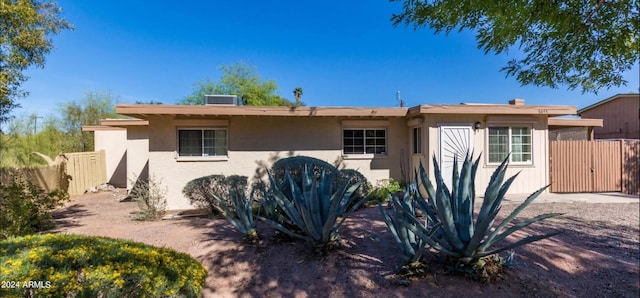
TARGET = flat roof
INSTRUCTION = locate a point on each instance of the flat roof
(124, 122)
(144, 110)
(574, 122)
(115, 124)
(492, 109)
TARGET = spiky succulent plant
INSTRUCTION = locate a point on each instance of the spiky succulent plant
(313, 210)
(411, 246)
(238, 210)
(452, 227)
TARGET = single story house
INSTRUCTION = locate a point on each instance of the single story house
(177, 143)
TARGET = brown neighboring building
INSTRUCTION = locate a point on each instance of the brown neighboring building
(620, 114)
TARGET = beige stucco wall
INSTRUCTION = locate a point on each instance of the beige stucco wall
(531, 177)
(137, 153)
(256, 142)
(113, 142)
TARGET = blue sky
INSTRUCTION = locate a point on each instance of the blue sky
(342, 53)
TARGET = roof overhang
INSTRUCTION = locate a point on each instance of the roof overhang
(145, 111)
(124, 122)
(492, 109)
(115, 124)
(101, 128)
(569, 122)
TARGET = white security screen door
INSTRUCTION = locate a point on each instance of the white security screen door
(455, 140)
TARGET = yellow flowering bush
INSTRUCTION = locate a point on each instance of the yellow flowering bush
(66, 265)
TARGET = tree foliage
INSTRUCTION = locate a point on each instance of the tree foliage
(54, 134)
(96, 105)
(239, 79)
(297, 94)
(25, 30)
(19, 141)
(586, 44)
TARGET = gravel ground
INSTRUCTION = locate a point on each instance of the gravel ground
(596, 255)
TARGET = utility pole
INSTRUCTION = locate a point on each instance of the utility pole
(35, 123)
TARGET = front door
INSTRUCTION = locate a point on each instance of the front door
(455, 141)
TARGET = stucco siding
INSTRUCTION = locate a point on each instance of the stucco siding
(256, 142)
(531, 176)
(113, 142)
(137, 154)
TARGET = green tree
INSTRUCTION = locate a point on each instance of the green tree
(586, 44)
(241, 80)
(25, 30)
(21, 140)
(89, 111)
(297, 94)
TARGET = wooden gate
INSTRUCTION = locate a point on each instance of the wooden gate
(594, 166)
(87, 169)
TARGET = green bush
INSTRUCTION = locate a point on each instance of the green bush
(65, 265)
(383, 190)
(25, 208)
(150, 196)
(204, 192)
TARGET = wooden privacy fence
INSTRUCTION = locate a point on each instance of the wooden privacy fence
(47, 177)
(595, 166)
(87, 169)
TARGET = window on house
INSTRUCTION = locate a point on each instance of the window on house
(417, 140)
(365, 141)
(202, 142)
(516, 140)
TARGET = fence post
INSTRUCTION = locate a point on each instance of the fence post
(622, 171)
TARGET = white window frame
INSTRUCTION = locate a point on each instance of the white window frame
(202, 157)
(416, 145)
(366, 155)
(510, 128)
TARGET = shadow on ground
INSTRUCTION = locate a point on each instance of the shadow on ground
(69, 216)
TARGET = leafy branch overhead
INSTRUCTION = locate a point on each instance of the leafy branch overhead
(583, 44)
(25, 30)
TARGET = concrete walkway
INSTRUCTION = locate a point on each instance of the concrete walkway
(609, 197)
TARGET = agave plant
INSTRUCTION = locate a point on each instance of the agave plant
(456, 231)
(312, 211)
(239, 212)
(411, 246)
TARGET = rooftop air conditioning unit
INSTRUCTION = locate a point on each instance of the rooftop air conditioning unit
(231, 100)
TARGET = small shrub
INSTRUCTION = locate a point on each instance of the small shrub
(25, 208)
(296, 166)
(151, 198)
(382, 191)
(68, 265)
(201, 191)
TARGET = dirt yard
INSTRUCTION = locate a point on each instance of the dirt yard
(597, 254)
